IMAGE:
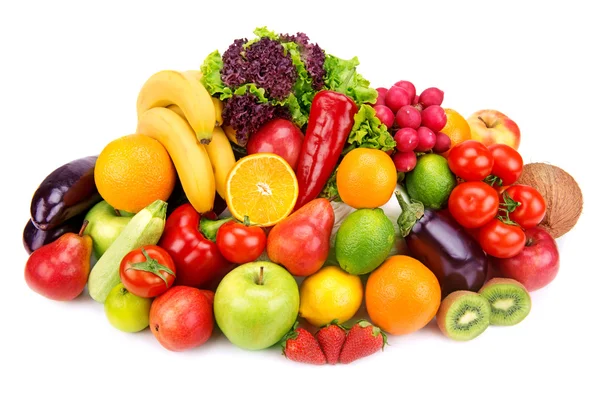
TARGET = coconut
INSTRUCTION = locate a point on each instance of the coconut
(564, 200)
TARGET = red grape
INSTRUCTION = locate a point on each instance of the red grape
(408, 117)
(431, 97)
(433, 117)
(381, 92)
(397, 97)
(385, 115)
(426, 139)
(408, 86)
(442, 143)
(406, 139)
(404, 161)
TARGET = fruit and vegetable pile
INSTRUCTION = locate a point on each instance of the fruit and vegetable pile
(274, 192)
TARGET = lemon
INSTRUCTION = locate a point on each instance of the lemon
(330, 294)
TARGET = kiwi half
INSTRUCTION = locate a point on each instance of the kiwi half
(463, 315)
(509, 300)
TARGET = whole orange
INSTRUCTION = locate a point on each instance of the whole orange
(402, 295)
(133, 171)
(457, 128)
(366, 178)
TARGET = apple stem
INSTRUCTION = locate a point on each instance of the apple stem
(529, 242)
(83, 226)
(117, 212)
(260, 276)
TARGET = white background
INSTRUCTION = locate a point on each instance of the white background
(69, 78)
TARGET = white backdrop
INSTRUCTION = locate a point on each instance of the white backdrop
(69, 78)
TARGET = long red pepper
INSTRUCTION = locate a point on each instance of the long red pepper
(329, 124)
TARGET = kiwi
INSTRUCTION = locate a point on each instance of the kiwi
(509, 300)
(463, 315)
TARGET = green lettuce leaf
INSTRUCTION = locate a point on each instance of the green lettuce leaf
(341, 76)
(330, 191)
(303, 87)
(260, 33)
(369, 132)
(211, 76)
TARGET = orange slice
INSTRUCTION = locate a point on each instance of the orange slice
(263, 187)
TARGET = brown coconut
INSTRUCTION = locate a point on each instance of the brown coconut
(564, 201)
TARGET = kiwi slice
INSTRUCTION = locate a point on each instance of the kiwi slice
(509, 300)
(463, 315)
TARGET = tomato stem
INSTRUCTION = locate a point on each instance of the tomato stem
(209, 227)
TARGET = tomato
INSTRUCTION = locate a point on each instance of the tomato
(241, 243)
(471, 160)
(508, 163)
(473, 204)
(148, 271)
(531, 208)
(501, 240)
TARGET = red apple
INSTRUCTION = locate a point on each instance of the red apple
(182, 318)
(537, 265)
(492, 127)
(278, 136)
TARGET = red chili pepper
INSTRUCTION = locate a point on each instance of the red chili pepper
(196, 258)
(329, 124)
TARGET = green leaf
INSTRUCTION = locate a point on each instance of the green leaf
(341, 76)
(330, 191)
(211, 76)
(369, 132)
(291, 102)
(251, 88)
(260, 33)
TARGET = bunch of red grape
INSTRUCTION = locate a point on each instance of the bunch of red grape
(415, 120)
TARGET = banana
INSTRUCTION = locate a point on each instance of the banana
(183, 89)
(197, 75)
(218, 110)
(189, 156)
(220, 154)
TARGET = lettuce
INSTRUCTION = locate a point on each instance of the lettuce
(369, 132)
(342, 77)
(211, 76)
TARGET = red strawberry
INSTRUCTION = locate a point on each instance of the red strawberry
(363, 340)
(331, 338)
(299, 345)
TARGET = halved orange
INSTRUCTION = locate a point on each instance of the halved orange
(262, 187)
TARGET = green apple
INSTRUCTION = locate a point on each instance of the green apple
(126, 311)
(256, 304)
(104, 226)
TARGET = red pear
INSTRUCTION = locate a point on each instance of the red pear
(59, 270)
(301, 241)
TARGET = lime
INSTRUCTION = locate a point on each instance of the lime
(330, 294)
(364, 241)
(431, 181)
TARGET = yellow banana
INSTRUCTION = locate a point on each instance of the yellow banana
(220, 154)
(218, 108)
(222, 159)
(197, 75)
(230, 132)
(183, 89)
(189, 156)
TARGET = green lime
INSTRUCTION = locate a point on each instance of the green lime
(431, 181)
(364, 241)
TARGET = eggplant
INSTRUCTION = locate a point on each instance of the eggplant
(68, 191)
(444, 247)
(34, 238)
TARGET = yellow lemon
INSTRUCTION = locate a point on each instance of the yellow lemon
(331, 293)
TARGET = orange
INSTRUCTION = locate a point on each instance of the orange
(134, 171)
(366, 178)
(457, 128)
(263, 187)
(402, 295)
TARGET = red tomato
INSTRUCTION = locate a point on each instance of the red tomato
(240, 243)
(473, 204)
(532, 208)
(501, 240)
(508, 163)
(148, 271)
(471, 160)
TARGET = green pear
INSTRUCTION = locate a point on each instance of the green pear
(105, 225)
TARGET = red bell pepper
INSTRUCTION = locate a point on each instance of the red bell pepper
(197, 259)
(329, 124)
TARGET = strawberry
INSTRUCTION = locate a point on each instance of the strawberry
(299, 345)
(363, 340)
(331, 337)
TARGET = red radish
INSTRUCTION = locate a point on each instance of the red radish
(397, 97)
(431, 97)
(416, 100)
(442, 143)
(427, 139)
(385, 115)
(405, 161)
(406, 139)
(381, 92)
(408, 86)
(408, 117)
(434, 117)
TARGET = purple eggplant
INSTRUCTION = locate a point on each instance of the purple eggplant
(444, 247)
(34, 238)
(68, 191)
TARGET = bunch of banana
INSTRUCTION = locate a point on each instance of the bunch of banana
(175, 109)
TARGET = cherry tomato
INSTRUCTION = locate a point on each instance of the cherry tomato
(501, 240)
(471, 160)
(473, 204)
(148, 271)
(240, 243)
(508, 163)
(532, 208)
